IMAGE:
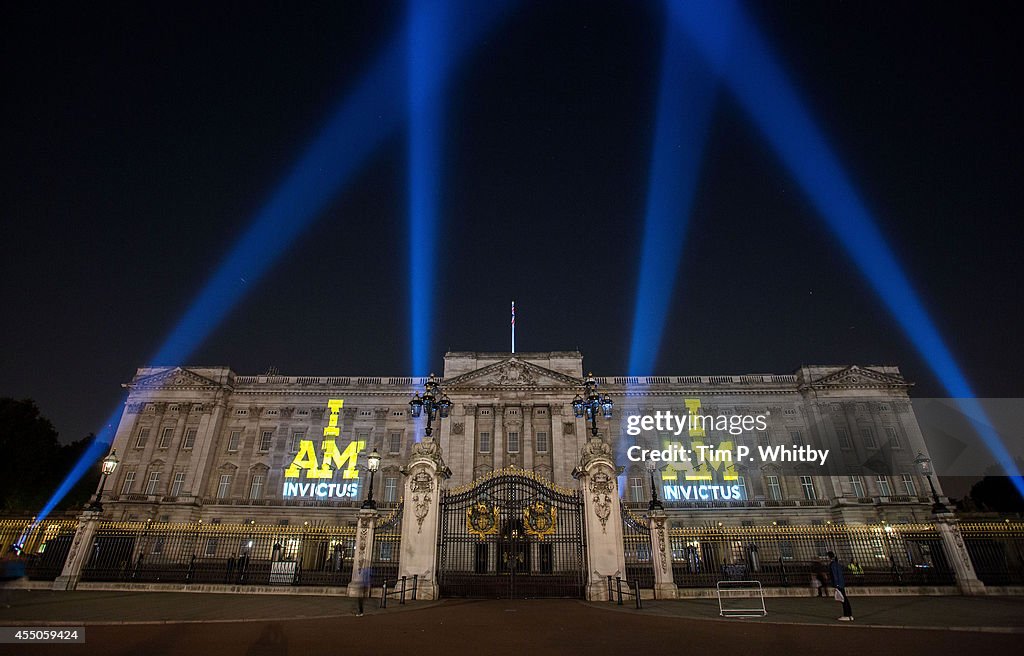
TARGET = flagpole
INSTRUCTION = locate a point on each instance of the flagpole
(513, 326)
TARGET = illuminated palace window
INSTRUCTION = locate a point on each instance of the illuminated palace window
(909, 487)
(774, 488)
(807, 484)
(884, 490)
(140, 441)
(129, 481)
(485, 442)
(154, 481)
(513, 442)
(857, 485)
(256, 487)
(636, 489)
(741, 482)
(177, 483)
(395, 442)
(165, 438)
(190, 439)
(233, 439)
(390, 489)
(224, 487)
(265, 440)
(542, 442)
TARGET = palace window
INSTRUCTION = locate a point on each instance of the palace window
(153, 482)
(542, 442)
(867, 435)
(233, 439)
(807, 484)
(513, 442)
(129, 481)
(190, 438)
(763, 439)
(741, 483)
(894, 437)
(797, 438)
(211, 547)
(909, 487)
(390, 489)
(256, 487)
(165, 438)
(266, 439)
(297, 437)
(140, 441)
(774, 488)
(224, 487)
(177, 483)
(857, 485)
(883, 486)
(395, 442)
(485, 442)
(844, 438)
(636, 489)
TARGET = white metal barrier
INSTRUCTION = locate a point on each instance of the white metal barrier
(741, 599)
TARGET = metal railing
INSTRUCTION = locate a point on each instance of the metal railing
(399, 590)
(997, 551)
(908, 554)
(615, 591)
(235, 554)
(44, 545)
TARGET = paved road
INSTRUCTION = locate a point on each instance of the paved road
(510, 628)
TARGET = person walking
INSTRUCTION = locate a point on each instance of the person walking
(365, 578)
(839, 583)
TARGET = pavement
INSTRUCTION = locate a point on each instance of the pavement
(154, 623)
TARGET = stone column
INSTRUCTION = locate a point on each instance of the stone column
(664, 582)
(605, 553)
(526, 437)
(424, 474)
(948, 527)
(78, 554)
(365, 528)
(465, 472)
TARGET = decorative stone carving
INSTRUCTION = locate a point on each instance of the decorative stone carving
(458, 428)
(659, 527)
(286, 413)
(421, 485)
(568, 428)
(136, 408)
(602, 487)
(514, 373)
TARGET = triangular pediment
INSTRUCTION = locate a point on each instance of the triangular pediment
(859, 377)
(512, 373)
(174, 377)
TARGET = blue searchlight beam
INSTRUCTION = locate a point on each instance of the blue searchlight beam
(751, 73)
(357, 127)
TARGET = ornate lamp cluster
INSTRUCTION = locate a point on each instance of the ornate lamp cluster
(594, 403)
(925, 463)
(430, 403)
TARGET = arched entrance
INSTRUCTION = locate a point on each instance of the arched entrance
(510, 535)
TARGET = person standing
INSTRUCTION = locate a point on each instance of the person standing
(839, 583)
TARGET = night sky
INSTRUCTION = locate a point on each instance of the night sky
(139, 139)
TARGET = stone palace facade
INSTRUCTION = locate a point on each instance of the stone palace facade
(202, 443)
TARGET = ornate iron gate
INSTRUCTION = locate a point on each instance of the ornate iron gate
(636, 538)
(511, 535)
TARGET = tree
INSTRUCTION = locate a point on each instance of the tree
(997, 493)
(33, 462)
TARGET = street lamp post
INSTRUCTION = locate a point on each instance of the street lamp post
(594, 403)
(655, 503)
(106, 469)
(372, 465)
(925, 463)
(434, 402)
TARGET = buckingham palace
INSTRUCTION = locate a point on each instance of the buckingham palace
(204, 443)
(515, 475)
